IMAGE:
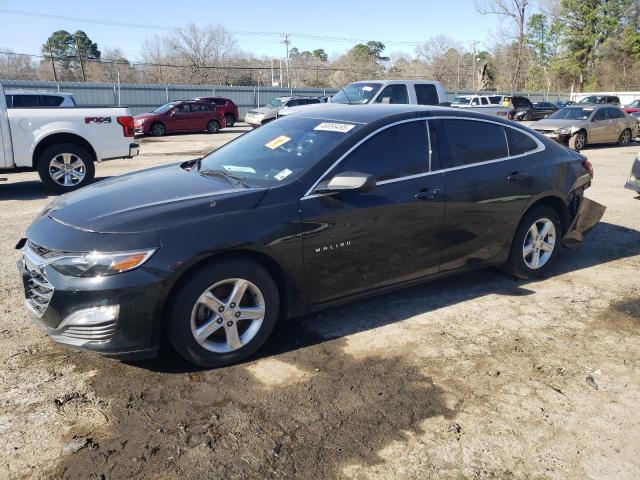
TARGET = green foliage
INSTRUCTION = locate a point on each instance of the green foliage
(371, 51)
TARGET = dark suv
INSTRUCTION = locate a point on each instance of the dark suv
(600, 99)
(226, 106)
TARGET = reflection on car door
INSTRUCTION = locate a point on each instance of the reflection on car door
(357, 241)
(181, 119)
(486, 189)
(600, 128)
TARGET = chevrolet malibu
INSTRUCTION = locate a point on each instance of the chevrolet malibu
(306, 212)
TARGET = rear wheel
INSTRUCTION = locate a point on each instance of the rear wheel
(65, 167)
(625, 137)
(157, 129)
(578, 141)
(223, 313)
(229, 120)
(213, 126)
(535, 244)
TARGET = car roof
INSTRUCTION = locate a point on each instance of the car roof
(37, 92)
(405, 82)
(371, 113)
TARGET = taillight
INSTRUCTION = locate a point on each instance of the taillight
(589, 166)
(127, 125)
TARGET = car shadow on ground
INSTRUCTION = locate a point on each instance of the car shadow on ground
(29, 190)
(606, 243)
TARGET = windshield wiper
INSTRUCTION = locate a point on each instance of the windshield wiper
(235, 180)
(344, 92)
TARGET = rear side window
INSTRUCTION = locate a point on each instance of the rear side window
(495, 99)
(197, 107)
(472, 141)
(484, 101)
(615, 113)
(396, 93)
(427, 94)
(25, 101)
(49, 100)
(519, 143)
(219, 101)
(398, 151)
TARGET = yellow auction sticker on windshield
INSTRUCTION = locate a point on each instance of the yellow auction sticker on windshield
(277, 142)
(334, 127)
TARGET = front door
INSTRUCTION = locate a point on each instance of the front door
(181, 118)
(355, 242)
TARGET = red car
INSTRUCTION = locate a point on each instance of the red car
(226, 106)
(632, 107)
(180, 116)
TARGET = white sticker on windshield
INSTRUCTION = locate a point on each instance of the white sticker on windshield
(283, 174)
(367, 88)
(235, 168)
(334, 127)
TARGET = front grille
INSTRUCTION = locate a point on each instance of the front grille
(96, 333)
(544, 131)
(38, 292)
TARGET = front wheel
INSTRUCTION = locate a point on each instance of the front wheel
(625, 137)
(535, 244)
(213, 126)
(223, 313)
(157, 129)
(65, 167)
(578, 141)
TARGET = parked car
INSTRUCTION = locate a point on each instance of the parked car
(632, 107)
(601, 99)
(259, 116)
(30, 98)
(633, 183)
(579, 125)
(414, 92)
(226, 106)
(180, 116)
(510, 107)
(536, 111)
(565, 103)
(63, 144)
(303, 213)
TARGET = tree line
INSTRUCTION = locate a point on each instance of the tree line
(554, 45)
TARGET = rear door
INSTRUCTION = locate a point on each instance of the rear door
(618, 123)
(489, 177)
(600, 126)
(200, 116)
(354, 241)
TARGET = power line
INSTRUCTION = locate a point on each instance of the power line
(236, 32)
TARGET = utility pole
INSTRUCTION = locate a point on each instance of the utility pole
(474, 65)
(286, 46)
(53, 63)
(84, 77)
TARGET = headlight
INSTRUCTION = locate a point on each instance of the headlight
(96, 264)
(563, 131)
(139, 122)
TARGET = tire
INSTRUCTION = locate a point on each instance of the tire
(157, 129)
(65, 167)
(523, 265)
(578, 141)
(217, 347)
(213, 126)
(229, 119)
(528, 116)
(625, 137)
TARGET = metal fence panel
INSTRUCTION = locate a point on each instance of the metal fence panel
(142, 97)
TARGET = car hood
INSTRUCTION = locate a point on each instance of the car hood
(553, 124)
(150, 199)
(306, 108)
(263, 110)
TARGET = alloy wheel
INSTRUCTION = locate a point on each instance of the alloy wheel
(580, 141)
(539, 243)
(67, 169)
(625, 137)
(157, 130)
(227, 315)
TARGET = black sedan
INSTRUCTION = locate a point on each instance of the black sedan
(309, 211)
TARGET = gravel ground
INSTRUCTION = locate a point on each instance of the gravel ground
(474, 377)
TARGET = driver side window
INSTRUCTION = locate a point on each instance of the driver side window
(600, 115)
(398, 151)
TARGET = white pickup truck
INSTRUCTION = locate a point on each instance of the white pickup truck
(63, 144)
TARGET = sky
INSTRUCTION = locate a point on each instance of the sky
(408, 21)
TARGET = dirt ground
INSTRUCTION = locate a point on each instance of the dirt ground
(473, 377)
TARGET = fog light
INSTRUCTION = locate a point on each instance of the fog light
(92, 316)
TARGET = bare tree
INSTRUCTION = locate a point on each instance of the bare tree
(516, 12)
(17, 67)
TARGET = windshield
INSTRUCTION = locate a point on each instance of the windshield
(275, 103)
(356, 93)
(164, 108)
(279, 151)
(572, 113)
(461, 101)
(592, 99)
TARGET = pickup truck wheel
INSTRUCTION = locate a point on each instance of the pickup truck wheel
(157, 129)
(625, 137)
(65, 167)
(229, 120)
(213, 126)
(223, 313)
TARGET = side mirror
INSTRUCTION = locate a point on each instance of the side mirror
(348, 181)
(172, 113)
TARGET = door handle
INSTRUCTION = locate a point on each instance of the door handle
(518, 177)
(427, 194)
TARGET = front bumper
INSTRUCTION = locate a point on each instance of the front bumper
(127, 325)
(254, 120)
(588, 215)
